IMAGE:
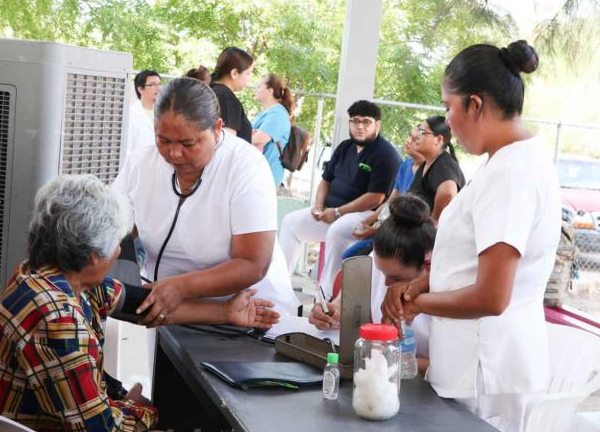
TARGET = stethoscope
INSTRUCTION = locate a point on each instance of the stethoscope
(182, 197)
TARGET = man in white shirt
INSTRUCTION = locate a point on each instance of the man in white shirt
(141, 112)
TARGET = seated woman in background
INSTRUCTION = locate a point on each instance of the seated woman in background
(366, 231)
(402, 249)
(439, 178)
(53, 309)
(411, 164)
(271, 127)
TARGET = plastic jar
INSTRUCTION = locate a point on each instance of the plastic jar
(376, 393)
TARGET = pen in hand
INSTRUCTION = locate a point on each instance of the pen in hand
(322, 301)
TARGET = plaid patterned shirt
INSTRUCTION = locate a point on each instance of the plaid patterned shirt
(51, 356)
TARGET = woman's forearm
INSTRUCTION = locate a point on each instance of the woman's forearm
(251, 256)
(464, 303)
(490, 295)
(260, 139)
(223, 279)
(444, 194)
(200, 311)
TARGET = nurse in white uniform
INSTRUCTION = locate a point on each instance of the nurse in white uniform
(495, 246)
(205, 208)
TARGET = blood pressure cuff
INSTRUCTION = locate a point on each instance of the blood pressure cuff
(131, 298)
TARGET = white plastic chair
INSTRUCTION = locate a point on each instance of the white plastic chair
(574, 375)
(8, 425)
(112, 347)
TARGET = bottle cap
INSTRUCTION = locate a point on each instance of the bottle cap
(378, 332)
(333, 358)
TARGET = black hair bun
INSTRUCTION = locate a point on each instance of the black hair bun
(409, 211)
(522, 56)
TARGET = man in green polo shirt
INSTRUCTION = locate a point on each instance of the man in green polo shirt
(357, 179)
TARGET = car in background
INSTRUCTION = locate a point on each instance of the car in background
(579, 179)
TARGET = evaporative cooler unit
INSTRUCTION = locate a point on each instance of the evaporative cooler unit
(63, 110)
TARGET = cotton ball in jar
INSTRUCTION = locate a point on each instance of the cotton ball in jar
(375, 396)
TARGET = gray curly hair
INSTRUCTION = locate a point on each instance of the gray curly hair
(73, 217)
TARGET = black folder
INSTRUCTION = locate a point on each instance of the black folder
(290, 375)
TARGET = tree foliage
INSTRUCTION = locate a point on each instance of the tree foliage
(562, 34)
(417, 40)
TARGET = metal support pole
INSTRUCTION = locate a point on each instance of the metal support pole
(557, 142)
(315, 158)
(358, 60)
(316, 147)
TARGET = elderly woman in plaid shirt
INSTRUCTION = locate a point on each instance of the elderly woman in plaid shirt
(51, 314)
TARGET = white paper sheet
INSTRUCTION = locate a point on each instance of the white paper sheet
(291, 324)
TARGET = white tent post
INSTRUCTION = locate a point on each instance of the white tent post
(356, 77)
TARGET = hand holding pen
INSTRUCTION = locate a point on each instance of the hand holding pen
(324, 315)
(321, 299)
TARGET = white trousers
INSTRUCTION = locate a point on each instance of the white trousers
(300, 226)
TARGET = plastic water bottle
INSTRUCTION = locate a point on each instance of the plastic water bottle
(331, 377)
(408, 358)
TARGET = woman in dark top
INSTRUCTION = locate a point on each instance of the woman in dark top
(231, 75)
(439, 178)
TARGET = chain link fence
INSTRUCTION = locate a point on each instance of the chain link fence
(588, 243)
(577, 156)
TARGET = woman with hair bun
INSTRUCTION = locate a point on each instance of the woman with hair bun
(495, 247)
(439, 178)
(200, 73)
(271, 127)
(402, 250)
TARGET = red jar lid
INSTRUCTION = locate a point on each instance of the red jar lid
(378, 332)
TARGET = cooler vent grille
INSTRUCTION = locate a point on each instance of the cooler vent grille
(4, 132)
(93, 122)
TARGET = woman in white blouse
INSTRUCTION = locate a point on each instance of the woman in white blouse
(495, 246)
(205, 208)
